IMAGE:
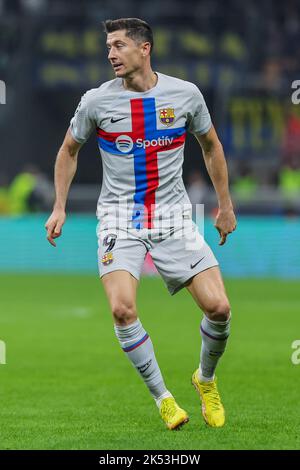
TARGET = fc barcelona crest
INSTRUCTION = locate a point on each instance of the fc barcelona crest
(167, 116)
(107, 258)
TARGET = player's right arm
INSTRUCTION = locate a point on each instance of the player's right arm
(64, 171)
(81, 126)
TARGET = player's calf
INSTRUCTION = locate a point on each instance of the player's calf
(214, 336)
(137, 345)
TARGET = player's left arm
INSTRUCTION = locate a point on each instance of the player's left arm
(215, 162)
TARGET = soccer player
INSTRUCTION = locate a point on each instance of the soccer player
(141, 118)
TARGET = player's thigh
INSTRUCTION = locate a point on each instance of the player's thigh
(208, 290)
(120, 256)
(120, 288)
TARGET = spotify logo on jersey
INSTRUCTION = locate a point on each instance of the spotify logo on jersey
(124, 143)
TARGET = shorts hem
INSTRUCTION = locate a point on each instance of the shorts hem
(183, 283)
(130, 271)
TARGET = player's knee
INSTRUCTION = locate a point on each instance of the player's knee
(219, 310)
(124, 312)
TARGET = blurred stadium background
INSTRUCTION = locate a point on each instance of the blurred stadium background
(244, 57)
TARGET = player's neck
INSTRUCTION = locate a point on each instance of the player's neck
(141, 82)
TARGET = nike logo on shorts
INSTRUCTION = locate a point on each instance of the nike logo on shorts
(193, 265)
(116, 120)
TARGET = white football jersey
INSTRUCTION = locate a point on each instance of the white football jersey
(141, 139)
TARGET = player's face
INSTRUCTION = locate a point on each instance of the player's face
(124, 54)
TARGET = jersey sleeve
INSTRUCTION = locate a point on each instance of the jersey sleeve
(199, 121)
(82, 123)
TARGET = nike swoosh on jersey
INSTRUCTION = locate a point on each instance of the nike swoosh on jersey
(116, 120)
(193, 265)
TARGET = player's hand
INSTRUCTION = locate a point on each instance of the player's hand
(225, 223)
(54, 225)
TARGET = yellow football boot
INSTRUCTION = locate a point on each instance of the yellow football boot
(172, 414)
(212, 409)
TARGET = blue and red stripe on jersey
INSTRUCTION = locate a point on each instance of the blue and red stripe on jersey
(143, 117)
(137, 344)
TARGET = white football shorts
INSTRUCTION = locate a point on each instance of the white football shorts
(178, 254)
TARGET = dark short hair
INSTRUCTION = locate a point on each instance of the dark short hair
(136, 29)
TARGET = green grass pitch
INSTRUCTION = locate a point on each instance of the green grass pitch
(67, 384)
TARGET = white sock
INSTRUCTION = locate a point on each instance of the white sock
(160, 399)
(214, 338)
(138, 347)
(202, 378)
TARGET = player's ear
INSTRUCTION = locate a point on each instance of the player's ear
(146, 49)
